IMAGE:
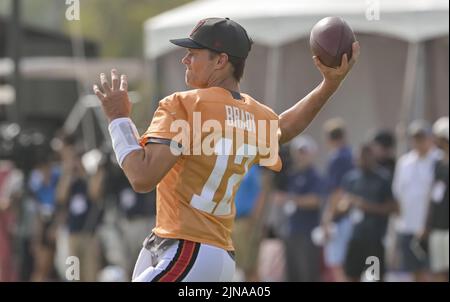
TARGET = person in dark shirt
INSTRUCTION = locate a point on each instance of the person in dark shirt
(340, 161)
(437, 226)
(383, 145)
(138, 215)
(302, 208)
(78, 197)
(367, 189)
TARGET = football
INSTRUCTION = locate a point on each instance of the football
(330, 38)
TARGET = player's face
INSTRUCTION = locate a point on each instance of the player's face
(199, 67)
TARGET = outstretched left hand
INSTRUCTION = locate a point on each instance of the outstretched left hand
(114, 98)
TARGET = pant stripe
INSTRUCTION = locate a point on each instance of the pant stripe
(181, 263)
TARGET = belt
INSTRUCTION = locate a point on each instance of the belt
(153, 241)
(232, 255)
(157, 246)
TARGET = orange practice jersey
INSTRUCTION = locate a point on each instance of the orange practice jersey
(220, 138)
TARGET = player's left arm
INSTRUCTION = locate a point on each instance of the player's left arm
(294, 120)
(143, 166)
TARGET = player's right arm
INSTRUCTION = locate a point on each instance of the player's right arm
(294, 120)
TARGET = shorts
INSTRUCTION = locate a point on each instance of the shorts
(357, 259)
(336, 248)
(413, 257)
(439, 251)
(176, 260)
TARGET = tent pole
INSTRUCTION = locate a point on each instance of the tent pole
(419, 110)
(271, 94)
(15, 52)
(413, 95)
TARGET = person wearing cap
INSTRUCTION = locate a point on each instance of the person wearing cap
(197, 169)
(335, 222)
(383, 145)
(367, 189)
(302, 201)
(413, 179)
(437, 226)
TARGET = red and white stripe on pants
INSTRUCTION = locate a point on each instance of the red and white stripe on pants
(185, 261)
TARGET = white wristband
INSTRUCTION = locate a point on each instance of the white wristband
(124, 137)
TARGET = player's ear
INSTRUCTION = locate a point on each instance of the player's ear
(222, 60)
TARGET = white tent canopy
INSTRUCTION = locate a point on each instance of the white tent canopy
(274, 23)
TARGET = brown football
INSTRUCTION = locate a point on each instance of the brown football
(330, 38)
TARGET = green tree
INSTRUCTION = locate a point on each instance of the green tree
(117, 25)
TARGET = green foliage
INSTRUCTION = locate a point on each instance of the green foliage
(117, 25)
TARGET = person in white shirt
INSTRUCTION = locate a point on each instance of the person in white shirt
(437, 226)
(412, 183)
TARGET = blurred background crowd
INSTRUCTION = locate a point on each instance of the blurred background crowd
(302, 224)
(365, 184)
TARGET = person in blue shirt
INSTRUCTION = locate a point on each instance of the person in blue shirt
(340, 162)
(305, 189)
(42, 184)
(248, 194)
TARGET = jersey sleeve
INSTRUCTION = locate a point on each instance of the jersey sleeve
(166, 115)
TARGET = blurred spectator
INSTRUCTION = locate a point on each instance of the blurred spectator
(247, 230)
(279, 181)
(109, 231)
(412, 183)
(129, 216)
(137, 220)
(340, 162)
(271, 257)
(11, 184)
(383, 143)
(42, 184)
(78, 195)
(383, 146)
(438, 212)
(302, 208)
(22, 149)
(368, 191)
(25, 234)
